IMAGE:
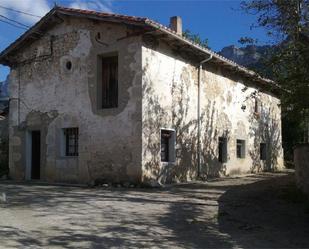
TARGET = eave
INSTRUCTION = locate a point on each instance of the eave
(54, 17)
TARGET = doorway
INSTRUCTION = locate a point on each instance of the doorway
(35, 154)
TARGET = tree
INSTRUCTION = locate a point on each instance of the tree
(281, 18)
(196, 38)
(287, 23)
(247, 40)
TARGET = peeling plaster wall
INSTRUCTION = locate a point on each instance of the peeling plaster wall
(53, 97)
(170, 101)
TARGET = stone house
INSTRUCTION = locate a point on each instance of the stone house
(126, 99)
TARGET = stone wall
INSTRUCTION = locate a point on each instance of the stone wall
(301, 161)
(53, 97)
(170, 93)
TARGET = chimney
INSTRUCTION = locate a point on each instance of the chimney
(176, 24)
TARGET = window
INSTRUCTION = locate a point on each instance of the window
(222, 150)
(256, 105)
(109, 82)
(168, 145)
(71, 141)
(241, 148)
(262, 151)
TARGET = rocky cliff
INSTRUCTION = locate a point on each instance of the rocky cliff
(249, 56)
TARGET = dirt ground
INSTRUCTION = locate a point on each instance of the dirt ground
(257, 211)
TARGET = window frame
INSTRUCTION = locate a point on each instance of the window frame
(263, 151)
(224, 157)
(242, 144)
(257, 106)
(171, 146)
(67, 132)
(103, 88)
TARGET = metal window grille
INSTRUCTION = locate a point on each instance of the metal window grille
(71, 141)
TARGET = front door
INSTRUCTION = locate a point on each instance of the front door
(35, 154)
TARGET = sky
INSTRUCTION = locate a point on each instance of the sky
(221, 21)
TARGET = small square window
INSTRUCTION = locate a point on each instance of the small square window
(263, 151)
(240, 148)
(168, 139)
(71, 141)
(222, 157)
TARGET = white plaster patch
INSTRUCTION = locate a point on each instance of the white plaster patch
(84, 44)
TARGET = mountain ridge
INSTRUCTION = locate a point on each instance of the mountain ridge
(249, 56)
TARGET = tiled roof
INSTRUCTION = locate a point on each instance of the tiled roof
(140, 21)
(102, 14)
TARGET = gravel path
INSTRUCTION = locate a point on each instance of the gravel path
(257, 211)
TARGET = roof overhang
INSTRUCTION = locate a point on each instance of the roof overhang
(54, 16)
(203, 53)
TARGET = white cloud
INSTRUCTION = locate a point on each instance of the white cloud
(41, 7)
(104, 6)
(34, 7)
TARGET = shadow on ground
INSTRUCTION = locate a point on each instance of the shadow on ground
(265, 214)
(241, 212)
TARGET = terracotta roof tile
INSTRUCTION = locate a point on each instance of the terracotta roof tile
(132, 20)
(102, 14)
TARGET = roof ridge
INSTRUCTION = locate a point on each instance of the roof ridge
(133, 20)
(95, 12)
(208, 50)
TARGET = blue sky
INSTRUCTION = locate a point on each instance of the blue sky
(220, 21)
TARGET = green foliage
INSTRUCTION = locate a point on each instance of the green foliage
(281, 18)
(287, 23)
(247, 40)
(196, 38)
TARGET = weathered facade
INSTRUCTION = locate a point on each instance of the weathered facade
(152, 133)
(170, 100)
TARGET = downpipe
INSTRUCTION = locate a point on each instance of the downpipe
(199, 165)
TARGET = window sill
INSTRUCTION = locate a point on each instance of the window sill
(107, 108)
(68, 157)
(168, 163)
(107, 111)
